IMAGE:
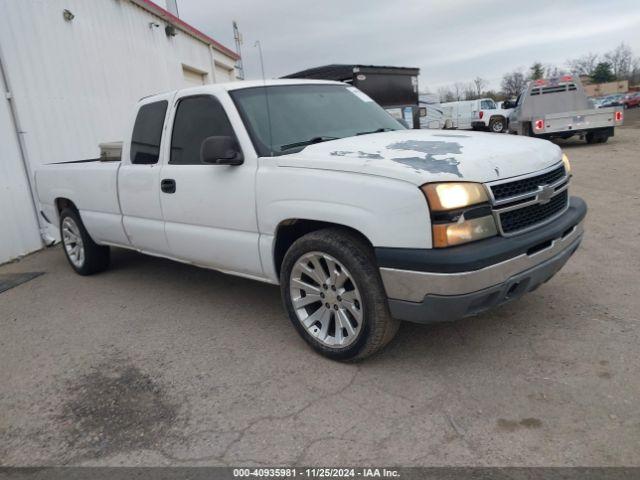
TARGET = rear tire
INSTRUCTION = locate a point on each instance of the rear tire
(85, 256)
(497, 125)
(592, 138)
(320, 303)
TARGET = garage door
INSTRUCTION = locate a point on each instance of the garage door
(192, 77)
(224, 74)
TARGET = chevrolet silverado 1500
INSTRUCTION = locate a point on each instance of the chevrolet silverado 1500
(313, 186)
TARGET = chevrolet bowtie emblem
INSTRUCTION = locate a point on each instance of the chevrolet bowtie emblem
(545, 193)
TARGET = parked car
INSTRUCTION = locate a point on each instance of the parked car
(615, 100)
(313, 186)
(480, 114)
(631, 100)
(559, 108)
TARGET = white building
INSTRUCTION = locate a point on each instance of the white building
(71, 72)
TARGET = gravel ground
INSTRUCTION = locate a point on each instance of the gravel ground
(159, 363)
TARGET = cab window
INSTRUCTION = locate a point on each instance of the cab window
(487, 105)
(147, 133)
(197, 118)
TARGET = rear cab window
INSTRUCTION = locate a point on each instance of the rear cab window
(487, 105)
(147, 133)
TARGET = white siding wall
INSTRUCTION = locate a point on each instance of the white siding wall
(75, 83)
(19, 227)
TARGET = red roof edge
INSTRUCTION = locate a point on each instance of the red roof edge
(169, 17)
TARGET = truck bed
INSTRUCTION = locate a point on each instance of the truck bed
(92, 185)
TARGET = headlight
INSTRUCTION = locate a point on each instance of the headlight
(460, 213)
(450, 195)
(567, 165)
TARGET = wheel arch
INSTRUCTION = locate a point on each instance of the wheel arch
(61, 203)
(290, 230)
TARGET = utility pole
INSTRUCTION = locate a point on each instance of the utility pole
(237, 36)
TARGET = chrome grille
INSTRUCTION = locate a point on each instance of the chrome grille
(530, 184)
(521, 218)
(527, 202)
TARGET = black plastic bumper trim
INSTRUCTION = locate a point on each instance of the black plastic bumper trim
(477, 255)
(438, 308)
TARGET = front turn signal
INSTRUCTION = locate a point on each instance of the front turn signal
(464, 231)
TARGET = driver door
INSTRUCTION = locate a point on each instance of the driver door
(209, 210)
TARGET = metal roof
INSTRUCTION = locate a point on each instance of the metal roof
(184, 26)
(341, 72)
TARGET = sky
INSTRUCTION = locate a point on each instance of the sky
(450, 41)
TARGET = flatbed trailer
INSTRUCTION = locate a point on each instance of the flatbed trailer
(560, 108)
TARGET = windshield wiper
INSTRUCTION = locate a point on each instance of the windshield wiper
(380, 130)
(306, 142)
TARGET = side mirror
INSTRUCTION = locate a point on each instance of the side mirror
(221, 151)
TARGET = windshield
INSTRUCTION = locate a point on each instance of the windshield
(306, 114)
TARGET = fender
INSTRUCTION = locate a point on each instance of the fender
(386, 211)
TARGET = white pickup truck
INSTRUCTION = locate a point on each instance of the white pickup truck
(479, 114)
(313, 186)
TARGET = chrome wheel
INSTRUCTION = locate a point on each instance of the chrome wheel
(326, 299)
(498, 126)
(72, 241)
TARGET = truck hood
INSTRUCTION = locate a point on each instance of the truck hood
(421, 156)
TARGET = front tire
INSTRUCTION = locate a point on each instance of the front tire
(334, 296)
(85, 256)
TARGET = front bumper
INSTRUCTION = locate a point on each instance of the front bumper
(427, 286)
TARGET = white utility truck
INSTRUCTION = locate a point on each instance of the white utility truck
(560, 108)
(480, 114)
(313, 186)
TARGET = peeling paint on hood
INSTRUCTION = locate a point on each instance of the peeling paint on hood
(421, 156)
(431, 149)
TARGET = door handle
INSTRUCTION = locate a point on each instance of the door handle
(168, 185)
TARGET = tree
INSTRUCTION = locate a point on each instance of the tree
(620, 60)
(446, 95)
(458, 90)
(479, 85)
(553, 71)
(513, 83)
(470, 91)
(584, 65)
(602, 73)
(536, 71)
(634, 75)
(497, 96)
